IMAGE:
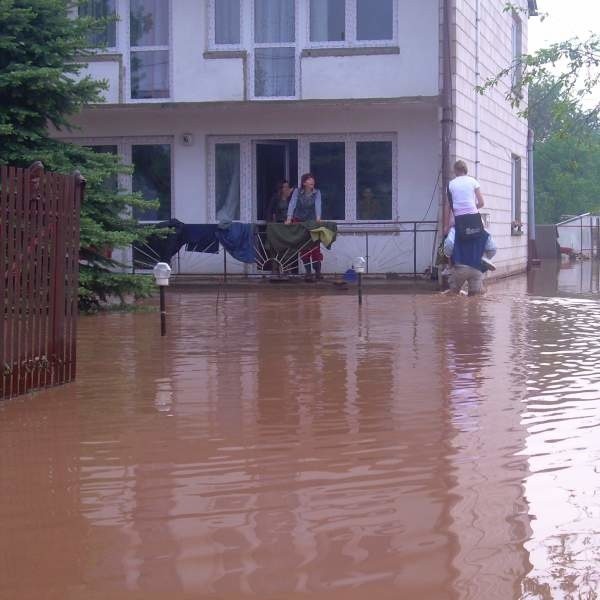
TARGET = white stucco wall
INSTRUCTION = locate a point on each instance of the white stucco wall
(415, 128)
(196, 76)
(502, 131)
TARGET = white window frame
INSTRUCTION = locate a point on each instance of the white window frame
(248, 45)
(74, 13)
(253, 46)
(248, 167)
(212, 28)
(124, 145)
(351, 30)
(516, 49)
(128, 49)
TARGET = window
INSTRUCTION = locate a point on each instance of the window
(373, 181)
(105, 35)
(327, 20)
(227, 22)
(374, 20)
(152, 178)
(348, 22)
(517, 50)
(227, 182)
(328, 164)
(275, 48)
(149, 45)
(516, 194)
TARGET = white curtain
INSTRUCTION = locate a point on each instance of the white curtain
(227, 181)
(327, 20)
(274, 21)
(227, 21)
(149, 23)
(275, 72)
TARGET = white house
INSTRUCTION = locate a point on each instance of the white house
(214, 101)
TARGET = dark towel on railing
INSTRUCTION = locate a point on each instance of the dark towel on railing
(238, 240)
(159, 248)
(283, 237)
(201, 238)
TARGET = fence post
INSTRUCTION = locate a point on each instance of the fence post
(415, 249)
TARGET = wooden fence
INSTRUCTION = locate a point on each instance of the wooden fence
(39, 257)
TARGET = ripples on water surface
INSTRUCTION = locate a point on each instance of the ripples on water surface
(285, 446)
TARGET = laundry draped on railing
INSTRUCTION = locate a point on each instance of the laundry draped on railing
(240, 240)
(282, 237)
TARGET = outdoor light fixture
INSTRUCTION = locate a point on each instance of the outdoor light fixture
(162, 272)
(360, 266)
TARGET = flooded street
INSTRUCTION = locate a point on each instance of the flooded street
(282, 444)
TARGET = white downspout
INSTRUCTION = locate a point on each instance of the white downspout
(477, 83)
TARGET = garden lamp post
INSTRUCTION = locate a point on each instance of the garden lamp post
(162, 272)
(360, 265)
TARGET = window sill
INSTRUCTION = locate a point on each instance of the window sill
(362, 51)
(216, 54)
(110, 56)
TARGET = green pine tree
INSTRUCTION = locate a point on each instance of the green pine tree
(41, 49)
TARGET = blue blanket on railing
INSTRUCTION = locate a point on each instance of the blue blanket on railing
(238, 240)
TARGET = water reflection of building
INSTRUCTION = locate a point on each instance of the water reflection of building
(483, 345)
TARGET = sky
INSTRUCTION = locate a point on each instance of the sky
(565, 19)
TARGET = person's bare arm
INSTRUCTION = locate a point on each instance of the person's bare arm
(480, 203)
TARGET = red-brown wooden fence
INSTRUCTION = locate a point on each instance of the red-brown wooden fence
(39, 257)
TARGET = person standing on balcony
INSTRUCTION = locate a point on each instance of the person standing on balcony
(278, 206)
(305, 206)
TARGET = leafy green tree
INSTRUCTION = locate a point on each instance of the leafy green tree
(41, 85)
(567, 154)
(572, 65)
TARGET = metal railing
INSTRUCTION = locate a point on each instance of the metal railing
(581, 233)
(402, 248)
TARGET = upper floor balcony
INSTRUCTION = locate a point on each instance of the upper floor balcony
(255, 50)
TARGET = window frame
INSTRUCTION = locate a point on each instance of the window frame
(516, 42)
(248, 167)
(107, 49)
(351, 30)
(516, 194)
(212, 28)
(128, 49)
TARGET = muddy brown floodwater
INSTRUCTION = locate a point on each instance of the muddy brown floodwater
(285, 445)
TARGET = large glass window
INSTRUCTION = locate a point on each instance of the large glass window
(327, 20)
(227, 21)
(351, 21)
(328, 164)
(274, 21)
(149, 40)
(274, 53)
(275, 72)
(374, 181)
(375, 19)
(227, 182)
(152, 178)
(106, 35)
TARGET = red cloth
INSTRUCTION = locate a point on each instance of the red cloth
(312, 253)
